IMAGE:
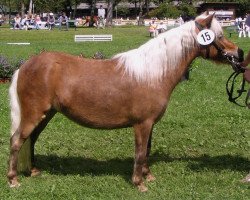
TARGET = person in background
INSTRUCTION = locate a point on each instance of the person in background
(153, 29)
(63, 21)
(25, 23)
(51, 21)
(101, 17)
(17, 22)
(242, 28)
(247, 24)
(161, 28)
(37, 22)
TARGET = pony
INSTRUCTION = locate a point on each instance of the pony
(132, 89)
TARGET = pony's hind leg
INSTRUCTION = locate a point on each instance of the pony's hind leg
(142, 135)
(31, 122)
(16, 142)
(34, 136)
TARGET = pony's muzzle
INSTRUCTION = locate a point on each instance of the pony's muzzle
(236, 56)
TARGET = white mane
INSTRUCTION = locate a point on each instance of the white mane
(151, 61)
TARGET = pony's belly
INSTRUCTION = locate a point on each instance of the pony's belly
(98, 118)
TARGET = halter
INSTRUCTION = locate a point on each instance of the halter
(238, 69)
(219, 49)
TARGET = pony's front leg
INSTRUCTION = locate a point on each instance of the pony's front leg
(142, 135)
(145, 169)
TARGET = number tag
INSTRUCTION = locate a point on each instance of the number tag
(205, 37)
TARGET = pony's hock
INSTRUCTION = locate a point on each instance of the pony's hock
(110, 91)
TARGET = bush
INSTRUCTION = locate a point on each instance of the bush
(7, 68)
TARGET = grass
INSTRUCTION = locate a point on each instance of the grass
(200, 148)
(64, 41)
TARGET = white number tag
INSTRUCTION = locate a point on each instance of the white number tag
(205, 37)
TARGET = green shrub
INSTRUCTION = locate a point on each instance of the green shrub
(7, 68)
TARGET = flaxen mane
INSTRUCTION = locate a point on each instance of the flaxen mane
(155, 58)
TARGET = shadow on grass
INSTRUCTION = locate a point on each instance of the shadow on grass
(209, 163)
(123, 167)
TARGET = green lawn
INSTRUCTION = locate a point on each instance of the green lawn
(200, 148)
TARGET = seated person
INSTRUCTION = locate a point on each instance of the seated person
(25, 22)
(63, 21)
(37, 22)
(51, 21)
(161, 27)
(17, 22)
(153, 29)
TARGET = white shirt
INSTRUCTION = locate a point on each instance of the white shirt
(101, 12)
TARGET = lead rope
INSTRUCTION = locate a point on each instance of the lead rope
(230, 90)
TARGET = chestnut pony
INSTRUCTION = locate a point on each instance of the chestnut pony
(130, 90)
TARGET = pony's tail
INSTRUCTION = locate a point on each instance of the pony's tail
(14, 104)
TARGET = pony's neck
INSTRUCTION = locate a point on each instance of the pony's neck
(167, 54)
(173, 77)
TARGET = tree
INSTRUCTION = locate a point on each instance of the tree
(165, 11)
(109, 18)
(49, 6)
(75, 4)
(30, 6)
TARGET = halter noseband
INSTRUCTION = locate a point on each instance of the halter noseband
(238, 69)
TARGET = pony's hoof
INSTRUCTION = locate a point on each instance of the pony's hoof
(150, 178)
(35, 172)
(14, 184)
(142, 188)
(246, 179)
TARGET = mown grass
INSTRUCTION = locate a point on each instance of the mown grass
(56, 40)
(200, 148)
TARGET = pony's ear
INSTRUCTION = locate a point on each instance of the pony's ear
(206, 22)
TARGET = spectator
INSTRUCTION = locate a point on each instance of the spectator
(153, 29)
(161, 27)
(25, 23)
(1, 19)
(17, 22)
(242, 28)
(51, 21)
(63, 21)
(101, 17)
(247, 24)
(37, 22)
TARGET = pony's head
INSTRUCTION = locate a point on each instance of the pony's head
(213, 45)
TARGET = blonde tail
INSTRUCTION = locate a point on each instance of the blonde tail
(14, 104)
